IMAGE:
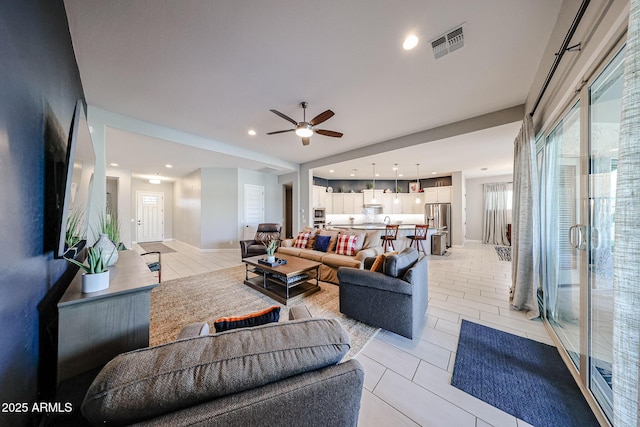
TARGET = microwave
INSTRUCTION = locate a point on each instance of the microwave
(318, 213)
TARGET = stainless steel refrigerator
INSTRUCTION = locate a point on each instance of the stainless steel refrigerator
(438, 216)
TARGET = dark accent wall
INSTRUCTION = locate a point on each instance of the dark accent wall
(39, 86)
(356, 185)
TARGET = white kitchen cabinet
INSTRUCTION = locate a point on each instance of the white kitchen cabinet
(370, 195)
(319, 196)
(437, 195)
(337, 203)
(444, 194)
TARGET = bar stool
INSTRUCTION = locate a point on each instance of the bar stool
(419, 236)
(389, 236)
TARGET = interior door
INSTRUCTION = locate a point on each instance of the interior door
(149, 216)
(253, 205)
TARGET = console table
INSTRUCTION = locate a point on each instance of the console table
(93, 328)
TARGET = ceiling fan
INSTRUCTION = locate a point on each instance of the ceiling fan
(305, 129)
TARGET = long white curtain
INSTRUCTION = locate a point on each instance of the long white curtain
(495, 216)
(525, 243)
(626, 278)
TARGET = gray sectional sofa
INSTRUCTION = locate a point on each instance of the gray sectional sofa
(277, 374)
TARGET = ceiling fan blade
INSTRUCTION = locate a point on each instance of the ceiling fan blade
(305, 141)
(328, 133)
(284, 116)
(321, 117)
(280, 131)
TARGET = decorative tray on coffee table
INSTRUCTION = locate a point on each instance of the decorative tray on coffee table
(277, 262)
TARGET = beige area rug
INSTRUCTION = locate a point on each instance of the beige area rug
(209, 296)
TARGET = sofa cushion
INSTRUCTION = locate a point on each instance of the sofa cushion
(372, 239)
(146, 383)
(360, 234)
(335, 260)
(334, 238)
(301, 240)
(397, 265)
(312, 255)
(378, 264)
(271, 314)
(321, 243)
(346, 245)
(289, 250)
(312, 237)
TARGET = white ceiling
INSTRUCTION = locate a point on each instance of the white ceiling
(215, 68)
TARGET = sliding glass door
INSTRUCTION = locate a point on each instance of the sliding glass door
(577, 167)
(605, 99)
(564, 233)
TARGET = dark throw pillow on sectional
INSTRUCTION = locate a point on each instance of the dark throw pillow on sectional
(258, 318)
(321, 243)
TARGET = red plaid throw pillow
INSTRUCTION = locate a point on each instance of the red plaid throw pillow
(346, 245)
(301, 240)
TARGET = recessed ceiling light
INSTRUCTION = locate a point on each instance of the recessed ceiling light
(252, 132)
(331, 171)
(377, 174)
(352, 174)
(154, 181)
(168, 166)
(410, 42)
(395, 168)
(115, 165)
(400, 174)
(433, 173)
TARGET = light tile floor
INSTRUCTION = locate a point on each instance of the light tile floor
(407, 381)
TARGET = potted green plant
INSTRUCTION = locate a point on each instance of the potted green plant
(96, 276)
(271, 250)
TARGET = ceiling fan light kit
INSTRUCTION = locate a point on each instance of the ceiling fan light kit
(306, 129)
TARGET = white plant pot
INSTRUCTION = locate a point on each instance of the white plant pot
(271, 258)
(109, 250)
(95, 282)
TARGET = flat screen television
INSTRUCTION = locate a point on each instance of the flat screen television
(69, 182)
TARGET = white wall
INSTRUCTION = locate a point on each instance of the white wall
(164, 187)
(475, 203)
(187, 194)
(219, 221)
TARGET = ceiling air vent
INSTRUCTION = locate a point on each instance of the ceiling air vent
(448, 42)
(439, 47)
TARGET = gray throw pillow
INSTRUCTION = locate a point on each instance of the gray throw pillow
(146, 383)
(397, 265)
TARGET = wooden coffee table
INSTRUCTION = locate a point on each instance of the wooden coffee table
(286, 283)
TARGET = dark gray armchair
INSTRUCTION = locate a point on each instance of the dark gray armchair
(256, 246)
(395, 300)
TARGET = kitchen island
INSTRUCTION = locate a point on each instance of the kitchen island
(404, 230)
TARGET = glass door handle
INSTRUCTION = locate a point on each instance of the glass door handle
(579, 231)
